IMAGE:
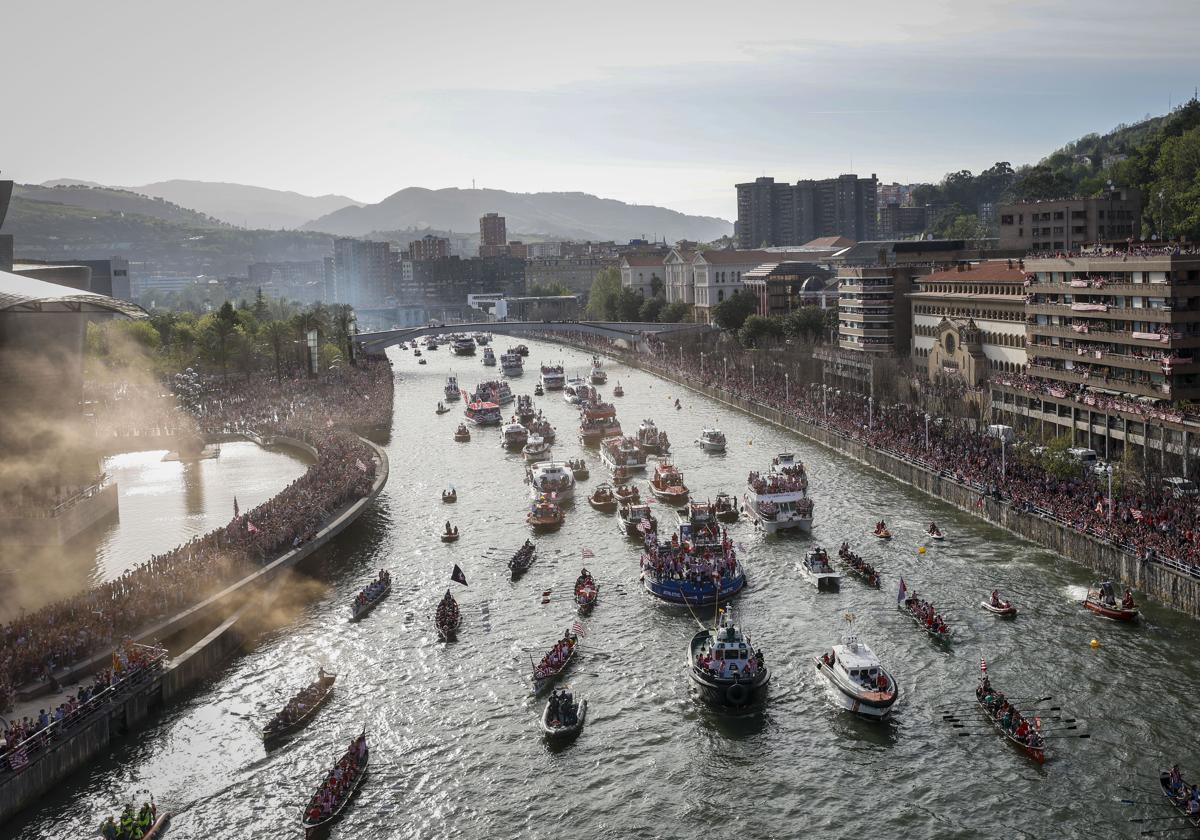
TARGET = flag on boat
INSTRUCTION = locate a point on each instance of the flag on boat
(464, 393)
(457, 575)
(982, 664)
(250, 527)
(588, 554)
(578, 629)
(903, 590)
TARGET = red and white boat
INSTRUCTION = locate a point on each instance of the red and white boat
(598, 421)
(1103, 601)
(667, 483)
(483, 413)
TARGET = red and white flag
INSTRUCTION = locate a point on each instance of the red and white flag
(18, 759)
(578, 629)
(982, 664)
(1137, 514)
(588, 554)
(250, 527)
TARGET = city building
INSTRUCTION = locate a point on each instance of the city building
(573, 273)
(782, 287)
(448, 281)
(895, 193)
(492, 235)
(969, 320)
(429, 247)
(897, 221)
(1113, 345)
(6, 240)
(643, 272)
(771, 214)
(873, 315)
(362, 276)
(299, 280)
(68, 274)
(1068, 224)
(930, 253)
(541, 250)
(678, 283)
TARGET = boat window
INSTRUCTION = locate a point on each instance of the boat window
(854, 672)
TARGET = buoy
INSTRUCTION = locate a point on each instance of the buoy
(921, 550)
(1095, 643)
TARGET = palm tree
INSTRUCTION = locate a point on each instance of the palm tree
(276, 334)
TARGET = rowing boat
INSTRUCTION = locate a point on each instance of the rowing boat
(544, 675)
(321, 689)
(587, 591)
(315, 826)
(1006, 609)
(1116, 612)
(1164, 779)
(1037, 753)
(358, 610)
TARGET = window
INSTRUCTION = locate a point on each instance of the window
(1006, 219)
(1058, 214)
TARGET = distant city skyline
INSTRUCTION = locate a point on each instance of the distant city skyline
(538, 98)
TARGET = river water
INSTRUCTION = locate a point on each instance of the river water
(456, 749)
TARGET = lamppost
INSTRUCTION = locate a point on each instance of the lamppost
(702, 363)
(787, 386)
(927, 431)
(753, 377)
(681, 355)
(825, 400)
(870, 414)
(1003, 464)
(1109, 470)
(725, 361)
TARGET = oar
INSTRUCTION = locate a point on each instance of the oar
(1009, 699)
(1025, 711)
(1155, 819)
(1166, 830)
(1146, 802)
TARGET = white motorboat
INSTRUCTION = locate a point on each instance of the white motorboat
(462, 345)
(553, 378)
(622, 452)
(537, 449)
(816, 569)
(553, 479)
(451, 389)
(711, 440)
(513, 436)
(857, 681)
(778, 500)
(511, 364)
(571, 390)
(489, 358)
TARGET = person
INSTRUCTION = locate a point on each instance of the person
(1127, 601)
(881, 682)
(109, 829)
(995, 598)
(448, 526)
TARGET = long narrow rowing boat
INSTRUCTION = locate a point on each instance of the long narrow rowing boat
(357, 610)
(944, 637)
(1164, 779)
(1035, 751)
(316, 825)
(321, 689)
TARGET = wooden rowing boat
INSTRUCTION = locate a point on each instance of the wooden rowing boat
(1164, 780)
(360, 610)
(544, 678)
(447, 628)
(450, 537)
(1038, 754)
(942, 638)
(315, 828)
(1116, 613)
(276, 729)
(587, 592)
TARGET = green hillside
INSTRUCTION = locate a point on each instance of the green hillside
(111, 199)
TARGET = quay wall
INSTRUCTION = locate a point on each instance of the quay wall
(1164, 584)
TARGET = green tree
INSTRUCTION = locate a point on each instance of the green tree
(656, 286)
(651, 309)
(261, 311)
(676, 313)
(1173, 204)
(732, 312)
(964, 226)
(341, 323)
(276, 334)
(627, 306)
(554, 289)
(606, 288)
(806, 323)
(758, 331)
(217, 330)
(1057, 460)
(1042, 183)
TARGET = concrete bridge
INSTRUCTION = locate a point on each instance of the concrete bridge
(633, 332)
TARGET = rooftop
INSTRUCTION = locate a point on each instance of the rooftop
(991, 271)
(25, 294)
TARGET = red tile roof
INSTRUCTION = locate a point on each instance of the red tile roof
(990, 271)
(829, 242)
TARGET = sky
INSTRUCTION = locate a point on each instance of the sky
(663, 103)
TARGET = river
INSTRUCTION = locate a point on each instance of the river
(456, 749)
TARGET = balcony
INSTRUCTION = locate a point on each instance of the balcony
(1112, 360)
(1176, 288)
(1163, 315)
(1113, 336)
(1112, 383)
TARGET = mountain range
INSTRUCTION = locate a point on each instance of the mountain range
(246, 206)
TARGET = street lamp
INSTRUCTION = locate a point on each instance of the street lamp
(681, 355)
(787, 386)
(825, 400)
(927, 431)
(753, 377)
(1003, 464)
(702, 363)
(725, 360)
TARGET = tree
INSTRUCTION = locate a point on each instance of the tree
(757, 330)
(964, 226)
(656, 286)
(676, 313)
(1057, 460)
(1174, 200)
(341, 324)
(554, 289)
(732, 312)
(805, 323)
(627, 306)
(650, 309)
(275, 334)
(1041, 183)
(261, 312)
(606, 288)
(217, 329)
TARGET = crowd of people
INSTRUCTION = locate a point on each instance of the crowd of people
(1008, 716)
(447, 614)
(339, 783)
(772, 483)
(374, 590)
(564, 710)
(300, 705)
(131, 825)
(924, 612)
(36, 644)
(557, 657)
(1185, 795)
(697, 564)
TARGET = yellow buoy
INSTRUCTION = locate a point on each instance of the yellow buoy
(1095, 643)
(921, 550)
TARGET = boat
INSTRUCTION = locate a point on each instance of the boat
(541, 426)
(450, 496)
(586, 394)
(301, 708)
(497, 392)
(579, 469)
(587, 592)
(1180, 802)
(489, 358)
(482, 339)
(522, 559)
(621, 476)
(431, 343)
(858, 680)
(667, 483)
(651, 440)
(1018, 731)
(1102, 601)
(711, 440)
(371, 595)
(511, 364)
(514, 436)
(725, 667)
(564, 716)
(697, 566)
(441, 408)
(628, 494)
(881, 531)
(156, 823)
(551, 479)
(555, 662)
(815, 567)
(451, 389)
(525, 410)
(545, 516)
(538, 390)
(923, 615)
(701, 517)
(536, 449)
(778, 500)
(725, 508)
(570, 396)
(934, 532)
(637, 520)
(462, 434)
(522, 350)
(603, 499)
(598, 376)
(447, 618)
(622, 452)
(483, 413)
(998, 606)
(463, 346)
(858, 567)
(598, 421)
(417, 351)
(421, 361)
(553, 378)
(618, 391)
(341, 783)
(450, 534)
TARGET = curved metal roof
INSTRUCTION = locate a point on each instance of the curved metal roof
(26, 294)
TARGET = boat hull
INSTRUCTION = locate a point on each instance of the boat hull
(1113, 613)
(725, 693)
(1001, 612)
(563, 733)
(856, 704)
(686, 593)
(823, 581)
(365, 609)
(1038, 754)
(1164, 781)
(709, 446)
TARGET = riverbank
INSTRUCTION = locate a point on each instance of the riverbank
(1166, 585)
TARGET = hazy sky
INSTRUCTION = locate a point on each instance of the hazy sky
(650, 102)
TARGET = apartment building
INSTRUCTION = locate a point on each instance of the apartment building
(874, 316)
(1071, 223)
(771, 214)
(643, 272)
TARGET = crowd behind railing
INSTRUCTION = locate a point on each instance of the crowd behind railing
(319, 411)
(1150, 523)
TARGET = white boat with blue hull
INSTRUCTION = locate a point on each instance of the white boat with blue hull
(724, 666)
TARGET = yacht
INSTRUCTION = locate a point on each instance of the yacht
(514, 436)
(553, 479)
(712, 440)
(489, 358)
(622, 452)
(462, 345)
(857, 680)
(598, 421)
(511, 364)
(451, 389)
(778, 500)
(497, 392)
(815, 567)
(553, 378)
(537, 449)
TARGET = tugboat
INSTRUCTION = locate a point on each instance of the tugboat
(711, 440)
(598, 376)
(511, 364)
(555, 662)
(537, 449)
(651, 440)
(587, 592)
(552, 479)
(564, 715)
(603, 499)
(451, 389)
(725, 508)
(815, 567)
(637, 520)
(697, 566)
(622, 452)
(553, 378)
(857, 679)
(998, 606)
(618, 391)
(489, 358)
(525, 411)
(778, 500)
(447, 619)
(598, 421)
(514, 436)
(1103, 601)
(462, 434)
(725, 667)
(463, 346)
(545, 516)
(667, 484)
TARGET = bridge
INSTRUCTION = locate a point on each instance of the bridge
(632, 332)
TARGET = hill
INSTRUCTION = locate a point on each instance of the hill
(564, 215)
(246, 206)
(112, 200)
